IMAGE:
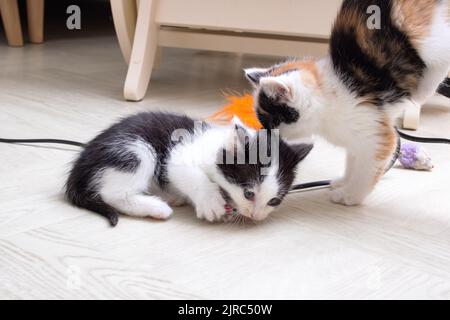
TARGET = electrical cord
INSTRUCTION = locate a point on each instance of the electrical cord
(422, 139)
(296, 188)
(55, 141)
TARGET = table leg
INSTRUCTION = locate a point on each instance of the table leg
(35, 14)
(143, 52)
(11, 22)
(124, 16)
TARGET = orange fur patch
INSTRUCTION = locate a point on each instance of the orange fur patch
(414, 17)
(308, 66)
(387, 144)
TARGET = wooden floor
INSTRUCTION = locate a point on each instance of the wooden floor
(395, 246)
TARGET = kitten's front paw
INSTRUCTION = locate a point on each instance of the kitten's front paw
(211, 207)
(162, 212)
(345, 197)
(177, 201)
(338, 183)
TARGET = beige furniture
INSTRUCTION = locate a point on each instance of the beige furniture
(282, 27)
(11, 21)
(35, 15)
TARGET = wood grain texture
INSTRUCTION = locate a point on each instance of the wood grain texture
(395, 246)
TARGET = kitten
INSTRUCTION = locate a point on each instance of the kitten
(352, 96)
(146, 162)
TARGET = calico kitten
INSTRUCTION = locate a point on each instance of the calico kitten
(352, 96)
(146, 162)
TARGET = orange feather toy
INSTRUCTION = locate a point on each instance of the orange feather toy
(240, 106)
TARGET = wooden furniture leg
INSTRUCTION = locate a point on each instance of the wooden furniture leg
(124, 16)
(11, 22)
(35, 14)
(143, 53)
(411, 116)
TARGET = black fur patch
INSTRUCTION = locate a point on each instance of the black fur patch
(444, 88)
(236, 165)
(381, 73)
(291, 156)
(271, 113)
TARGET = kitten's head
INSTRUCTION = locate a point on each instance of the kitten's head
(284, 94)
(256, 170)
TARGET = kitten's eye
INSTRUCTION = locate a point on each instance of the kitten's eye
(275, 202)
(249, 195)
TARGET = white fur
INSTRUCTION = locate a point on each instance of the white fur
(435, 51)
(257, 209)
(127, 191)
(192, 171)
(187, 170)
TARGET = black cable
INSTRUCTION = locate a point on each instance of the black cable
(422, 139)
(310, 185)
(57, 141)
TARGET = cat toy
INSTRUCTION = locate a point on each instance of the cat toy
(413, 156)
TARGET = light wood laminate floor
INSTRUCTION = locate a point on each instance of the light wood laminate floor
(397, 245)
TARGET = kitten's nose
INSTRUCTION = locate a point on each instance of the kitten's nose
(246, 213)
(255, 216)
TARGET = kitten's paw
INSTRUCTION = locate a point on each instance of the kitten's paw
(343, 196)
(162, 212)
(177, 202)
(338, 183)
(211, 207)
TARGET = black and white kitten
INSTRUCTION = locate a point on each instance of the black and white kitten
(146, 162)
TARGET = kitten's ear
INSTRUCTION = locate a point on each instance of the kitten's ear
(239, 124)
(277, 88)
(301, 150)
(254, 75)
(239, 137)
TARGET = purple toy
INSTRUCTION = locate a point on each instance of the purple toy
(413, 156)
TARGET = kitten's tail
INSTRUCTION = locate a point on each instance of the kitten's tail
(92, 203)
(444, 88)
(104, 209)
